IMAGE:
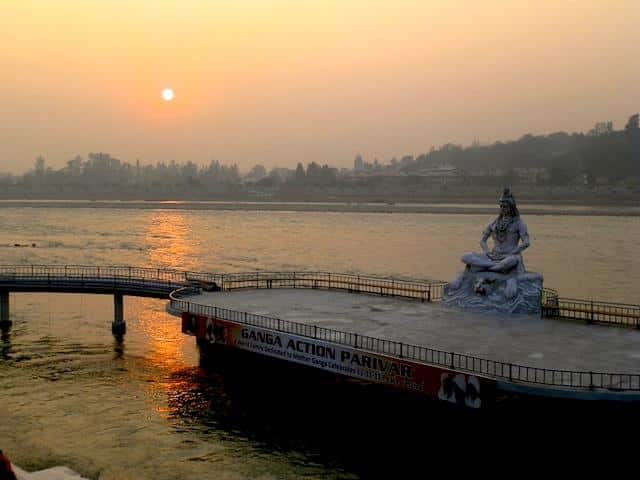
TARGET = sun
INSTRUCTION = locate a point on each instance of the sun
(167, 94)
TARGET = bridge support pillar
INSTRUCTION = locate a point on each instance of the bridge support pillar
(119, 326)
(4, 309)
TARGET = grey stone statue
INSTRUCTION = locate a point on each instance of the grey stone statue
(497, 279)
(507, 231)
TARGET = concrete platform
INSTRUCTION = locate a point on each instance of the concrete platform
(523, 339)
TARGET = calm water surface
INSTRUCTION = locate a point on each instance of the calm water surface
(152, 408)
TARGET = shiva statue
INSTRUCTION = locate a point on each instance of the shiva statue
(496, 279)
(510, 238)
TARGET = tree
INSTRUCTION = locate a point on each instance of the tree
(39, 166)
(313, 173)
(358, 164)
(190, 172)
(329, 175)
(601, 128)
(633, 124)
(74, 166)
(299, 175)
(257, 172)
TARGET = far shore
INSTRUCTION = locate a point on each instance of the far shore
(463, 207)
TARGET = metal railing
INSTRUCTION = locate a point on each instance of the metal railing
(101, 272)
(549, 296)
(450, 360)
(552, 306)
(424, 291)
(590, 311)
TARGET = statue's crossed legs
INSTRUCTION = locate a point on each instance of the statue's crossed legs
(501, 264)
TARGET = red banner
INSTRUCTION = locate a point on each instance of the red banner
(435, 382)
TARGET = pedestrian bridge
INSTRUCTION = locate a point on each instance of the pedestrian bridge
(107, 280)
(159, 283)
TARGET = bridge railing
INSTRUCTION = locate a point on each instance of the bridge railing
(424, 291)
(102, 272)
(552, 305)
(450, 360)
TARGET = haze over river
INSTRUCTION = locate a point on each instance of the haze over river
(146, 409)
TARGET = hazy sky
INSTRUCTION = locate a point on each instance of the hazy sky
(278, 81)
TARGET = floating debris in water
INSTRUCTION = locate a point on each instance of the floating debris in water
(54, 473)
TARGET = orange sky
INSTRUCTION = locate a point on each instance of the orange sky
(281, 81)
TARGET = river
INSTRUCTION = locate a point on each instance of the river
(150, 407)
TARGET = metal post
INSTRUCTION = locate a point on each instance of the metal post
(4, 308)
(118, 327)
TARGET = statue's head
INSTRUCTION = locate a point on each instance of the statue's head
(508, 203)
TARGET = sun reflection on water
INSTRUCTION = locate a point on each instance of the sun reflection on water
(167, 353)
(169, 236)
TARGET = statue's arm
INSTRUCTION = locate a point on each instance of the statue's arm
(524, 239)
(485, 236)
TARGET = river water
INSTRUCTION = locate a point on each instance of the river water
(151, 407)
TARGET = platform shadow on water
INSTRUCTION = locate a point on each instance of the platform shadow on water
(365, 429)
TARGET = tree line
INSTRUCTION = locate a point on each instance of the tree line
(100, 172)
(602, 152)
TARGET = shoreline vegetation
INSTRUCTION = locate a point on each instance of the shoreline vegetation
(599, 167)
(444, 206)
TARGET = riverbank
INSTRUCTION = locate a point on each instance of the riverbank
(338, 207)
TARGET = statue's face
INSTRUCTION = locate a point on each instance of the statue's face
(504, 208)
